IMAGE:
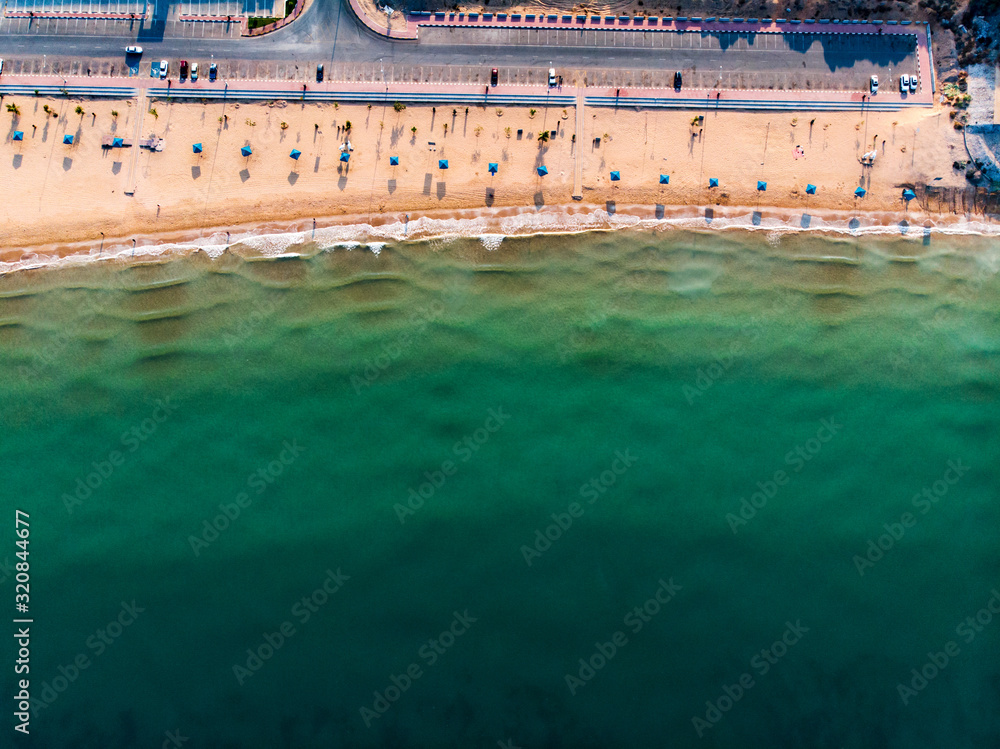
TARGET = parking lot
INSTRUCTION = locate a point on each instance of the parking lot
(125, 28)
(738, 60)
(388, 74)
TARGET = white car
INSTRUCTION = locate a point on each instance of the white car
(194, 71)
(133, 50)
(874, 84)
(552, 77)
(913, 84)
(904, 83)
(164, 66)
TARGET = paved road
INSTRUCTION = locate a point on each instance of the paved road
(328, 32)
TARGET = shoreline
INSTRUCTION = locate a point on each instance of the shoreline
(269, 240)
(59, 199)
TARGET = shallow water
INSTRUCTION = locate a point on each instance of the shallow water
(539, 438)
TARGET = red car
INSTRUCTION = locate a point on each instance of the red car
(494, 76)
(184, 69)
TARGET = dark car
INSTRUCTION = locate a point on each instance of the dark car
(494, 77)
(184, 69)
(319, 74)
(213, 71)
(677, 80)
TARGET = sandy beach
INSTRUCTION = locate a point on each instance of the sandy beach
(56, 194)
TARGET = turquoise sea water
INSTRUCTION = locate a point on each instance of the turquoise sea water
(603, 490)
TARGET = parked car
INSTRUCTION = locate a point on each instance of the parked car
(677, 80)
(133, 50)
(552, 77)
(904, 83)
(874, 84)
(213, 71)
(319, 74)
(494, 77)
(913, 84)
(164, 67)
(194, 71)
(184, 69)
(1, 66)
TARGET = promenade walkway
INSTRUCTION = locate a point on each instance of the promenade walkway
(455, 94)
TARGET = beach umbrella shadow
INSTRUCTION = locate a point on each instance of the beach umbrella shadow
(244, 175)
(18, 158)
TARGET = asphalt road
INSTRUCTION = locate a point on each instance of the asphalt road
(328, 32)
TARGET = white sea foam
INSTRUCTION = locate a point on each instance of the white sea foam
(491, 229)
(491, 242)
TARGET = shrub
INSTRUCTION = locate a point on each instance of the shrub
(399, 106)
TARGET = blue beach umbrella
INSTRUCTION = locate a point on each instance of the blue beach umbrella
(909, 194)
(542, 171)
(118, 143)
(713, 182)
(68, 140)
(393, 161)
(18, 135)
(761, 186)
(246, 150)
(295, 154)
(664, 179)
(345, 156)
(494, 167)
(860, 192)
(615, 177)
(442, 163)
(810, 189)
(196, 148)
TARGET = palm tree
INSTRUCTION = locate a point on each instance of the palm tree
(13, 109)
